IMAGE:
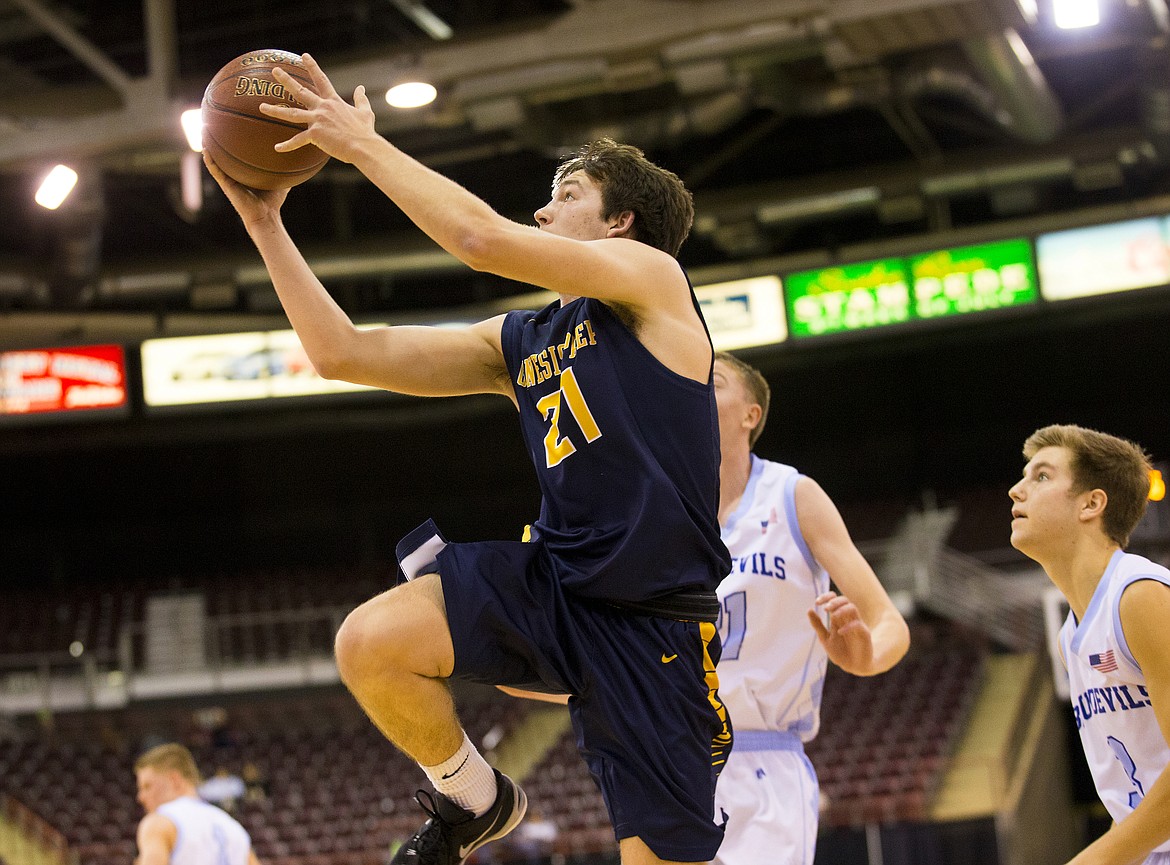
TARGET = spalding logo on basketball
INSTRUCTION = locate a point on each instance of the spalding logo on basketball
(240, 139)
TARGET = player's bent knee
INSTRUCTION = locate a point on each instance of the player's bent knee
(394, 631)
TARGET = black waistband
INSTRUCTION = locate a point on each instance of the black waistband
(689, 605)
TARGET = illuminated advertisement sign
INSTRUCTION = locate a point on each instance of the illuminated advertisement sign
(62, 380)
(1103, 258)
(850, 297)
(189, 370)
(973, 278)
(889, 291)
(743, 313)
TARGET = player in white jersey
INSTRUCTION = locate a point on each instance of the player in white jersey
(179, 828)
(781, 623)
(1081, 496)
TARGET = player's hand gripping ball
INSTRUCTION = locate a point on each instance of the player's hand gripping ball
(240, 139)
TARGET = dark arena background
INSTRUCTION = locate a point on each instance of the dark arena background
(935, 225)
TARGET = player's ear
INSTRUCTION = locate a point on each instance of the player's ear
(1093, 504)
(621, 225)
(755, 413)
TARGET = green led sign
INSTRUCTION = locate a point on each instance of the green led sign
(851, 297)
(897, 290)
(973, 278)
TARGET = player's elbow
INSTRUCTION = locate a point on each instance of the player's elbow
(331, 365)
(483, 245)
(340, 357)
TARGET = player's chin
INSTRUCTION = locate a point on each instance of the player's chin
(1018, 537)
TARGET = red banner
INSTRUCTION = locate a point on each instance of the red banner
(62, 379)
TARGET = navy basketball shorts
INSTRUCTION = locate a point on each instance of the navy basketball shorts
(644, 704)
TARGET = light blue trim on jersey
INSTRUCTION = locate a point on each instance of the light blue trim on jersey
(178, 838)
(767, 740)
(819, 576)
(1064, 637)
(1122, 643)
(794, 522)
(805, 669)
(177, 823)
(812, 803)
(749, 494)
(1095, 603)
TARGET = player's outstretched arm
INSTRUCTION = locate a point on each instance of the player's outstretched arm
(420, 361)
(866, 634)
(613, 269)
(1145, 620)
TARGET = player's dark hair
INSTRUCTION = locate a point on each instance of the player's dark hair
(757, 388)
(1100, 461)
(662, 206)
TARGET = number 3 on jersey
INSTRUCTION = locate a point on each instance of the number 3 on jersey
(556, 447)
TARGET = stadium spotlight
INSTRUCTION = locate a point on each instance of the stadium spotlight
(192, 121)
(56, 186)
(1157, 486)
(411, 94)
(1074, 14)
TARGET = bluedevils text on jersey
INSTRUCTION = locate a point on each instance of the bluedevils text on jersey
(773, 666)
(1119, 731)
(626, 452)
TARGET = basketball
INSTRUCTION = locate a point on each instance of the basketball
(240, 139)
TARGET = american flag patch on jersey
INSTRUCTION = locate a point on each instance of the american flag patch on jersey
(1105, 662)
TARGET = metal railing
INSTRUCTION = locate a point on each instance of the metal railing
(271, 649)
(279, 648)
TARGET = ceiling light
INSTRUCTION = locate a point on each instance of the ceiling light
(56, 186)
(1073, 14)
(411, 94)
(192, 120)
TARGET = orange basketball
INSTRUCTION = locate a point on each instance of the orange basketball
(240, 139)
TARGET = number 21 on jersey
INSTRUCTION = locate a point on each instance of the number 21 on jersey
(556, 446)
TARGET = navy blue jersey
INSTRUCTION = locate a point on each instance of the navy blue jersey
(626, 452)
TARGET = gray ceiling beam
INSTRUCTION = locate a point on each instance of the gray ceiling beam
(162, 42)
(82, 48)
(611, 30)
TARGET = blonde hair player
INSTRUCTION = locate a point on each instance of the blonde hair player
(179, 828)
(1082, 494)
(781, 624)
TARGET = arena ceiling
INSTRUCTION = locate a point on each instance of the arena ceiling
(800, 125)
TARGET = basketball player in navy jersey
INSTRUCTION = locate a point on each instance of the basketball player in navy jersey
(612, 600)
(179, 828)
(1082, 494)
(781, 624)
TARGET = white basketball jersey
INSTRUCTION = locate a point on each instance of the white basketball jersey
(206, 835)
(1119, 731)
(772, 670)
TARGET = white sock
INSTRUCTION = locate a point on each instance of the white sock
(465, 778)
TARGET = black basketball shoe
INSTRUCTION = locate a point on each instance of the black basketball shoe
(451, 833)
